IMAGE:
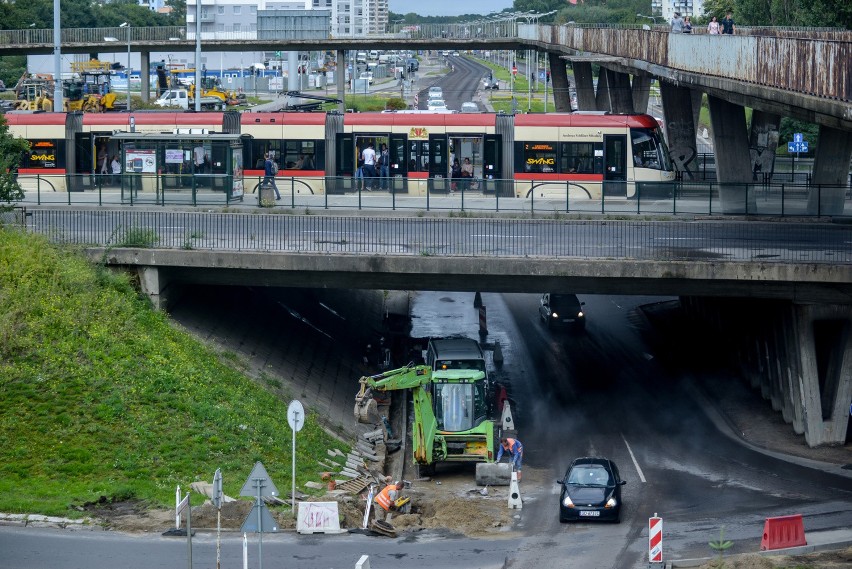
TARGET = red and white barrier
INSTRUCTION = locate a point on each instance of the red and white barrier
(783, 532)
(655, 539)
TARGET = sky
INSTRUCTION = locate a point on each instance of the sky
(447, 7)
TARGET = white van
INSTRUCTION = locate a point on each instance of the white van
(361, 57)
(374, 55)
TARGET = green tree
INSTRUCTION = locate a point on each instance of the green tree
(11, 151)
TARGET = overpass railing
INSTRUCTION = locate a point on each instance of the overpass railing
(534, 197)
(429, 236)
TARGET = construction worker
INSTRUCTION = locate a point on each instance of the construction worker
(386, 500)
(515, 447)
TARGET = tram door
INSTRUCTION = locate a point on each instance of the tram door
(615, 165)
(492, 165)
(398, 170)
(344, 179)
(438, 168)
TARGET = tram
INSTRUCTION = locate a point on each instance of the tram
(560, 155)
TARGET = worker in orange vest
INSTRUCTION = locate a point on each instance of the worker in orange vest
(515, 447)
(386, 500)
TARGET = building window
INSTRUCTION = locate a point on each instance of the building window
(253, 9)
(238, 10)
(220, 10)
(238, 28)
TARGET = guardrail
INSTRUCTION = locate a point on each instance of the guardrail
(469, 237)
(777, 199)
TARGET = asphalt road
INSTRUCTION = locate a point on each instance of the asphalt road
(458, 85)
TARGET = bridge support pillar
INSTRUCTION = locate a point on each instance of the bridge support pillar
(763, 141)
(154, 284)
(560, 83)
(145, 63)
(641, 88)
(831, 172)
(340, 75)
(602, 92)
(680, 128)
(824, 344)
(585, 84)
(620, 92)
(733, 163)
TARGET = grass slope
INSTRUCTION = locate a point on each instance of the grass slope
(101, 396)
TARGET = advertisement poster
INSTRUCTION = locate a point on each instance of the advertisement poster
(237, 163)
(141, 161)
(174, 156)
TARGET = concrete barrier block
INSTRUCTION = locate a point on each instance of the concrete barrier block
(493, 474)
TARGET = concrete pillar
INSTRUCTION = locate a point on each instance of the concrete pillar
(620, 92)
(153, 284)
(831, 171)
(793, 371)
(585, 85)
(825, 353)
(680, 129)
(641, 88)
(733, 165)
(602, 92)
(340, 74)
(294, 82)
(559, 82)
(145, 74)
(763, 141)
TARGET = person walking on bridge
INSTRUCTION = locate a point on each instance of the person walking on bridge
(727, 23)
(515, 447)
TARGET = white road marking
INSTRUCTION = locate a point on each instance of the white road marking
(635, 462)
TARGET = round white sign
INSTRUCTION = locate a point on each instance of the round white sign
(296, 415)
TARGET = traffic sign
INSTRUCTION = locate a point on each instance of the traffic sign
(514, 70)
(798, 137)
(217, 489)
(183, 504)
(259, 477)
(266, 523)
(797, 147)
(296, 415)
(655, 539)
(416, 99)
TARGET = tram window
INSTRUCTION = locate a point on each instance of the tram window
(649, 151)
(298, 155)
(253, 153)
(539, 157)
(579, 157)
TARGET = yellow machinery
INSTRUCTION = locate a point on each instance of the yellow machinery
(210, 86)
(91, 91)
(33, 94)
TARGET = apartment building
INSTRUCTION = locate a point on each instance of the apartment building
(667, 8)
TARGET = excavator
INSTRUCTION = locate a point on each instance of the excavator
(210, 87)
(451, 413)
(90, 91)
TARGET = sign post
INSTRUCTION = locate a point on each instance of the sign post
(185, 504)
(259, 485)
(217, 501)
(799, 144)
(296, 420)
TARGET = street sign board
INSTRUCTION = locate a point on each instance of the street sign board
(183, 504)
(798, 137)
(259, 476)
(296, 415)
(217, 489)
(796, 147)
(267, 523)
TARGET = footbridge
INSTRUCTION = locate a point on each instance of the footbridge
(781, 292)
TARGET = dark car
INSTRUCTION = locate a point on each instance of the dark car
(591, 490)
(562, 310)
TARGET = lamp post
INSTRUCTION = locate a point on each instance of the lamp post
(127, 25)
(652, 18)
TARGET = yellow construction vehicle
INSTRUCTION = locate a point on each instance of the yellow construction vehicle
(90, 90)
(210, 86)
(33, 94)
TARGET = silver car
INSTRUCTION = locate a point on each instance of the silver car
(469, 107)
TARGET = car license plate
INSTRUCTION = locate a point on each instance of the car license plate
(567, 319)
(590, 513)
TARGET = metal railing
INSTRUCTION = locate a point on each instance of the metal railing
(733, 241)
(533, 197)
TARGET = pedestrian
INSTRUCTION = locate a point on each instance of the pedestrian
(677, 24)
(369, 157)
(116, 170)
(455, 175)
(727, 24)
(687, 25)
(466, 173)
(713, 27)
(384, 166)
(270, 168)
(103, 162)
(515, 447)
(386, 501)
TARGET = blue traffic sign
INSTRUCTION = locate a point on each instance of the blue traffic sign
(798, 137)
(797, 147)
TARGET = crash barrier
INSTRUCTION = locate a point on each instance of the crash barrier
(506, 418)
(783, 532)
(483, 325)
(363, 562)
(318, 517)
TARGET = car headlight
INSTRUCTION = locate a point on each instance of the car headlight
(611, 503)
(580, 314)
(553, 314)
(566, 501)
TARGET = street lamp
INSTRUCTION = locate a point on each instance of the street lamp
(652, 18)
(127, 25)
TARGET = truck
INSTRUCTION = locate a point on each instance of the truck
(180, 98)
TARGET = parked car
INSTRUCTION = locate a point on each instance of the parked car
(562, 310)
(368, 75)
(591, 490)
(469, 107)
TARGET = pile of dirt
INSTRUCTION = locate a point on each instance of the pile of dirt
(820, 560)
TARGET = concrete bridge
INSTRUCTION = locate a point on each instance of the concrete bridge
(782, 291)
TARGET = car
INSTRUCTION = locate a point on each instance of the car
(469, 107)
(559, 310)
(455, 54)
(445, 53)
(413, 63)
(436, 91)
(431, 96)
(368, 75)
(591, 490)
(436, 105)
